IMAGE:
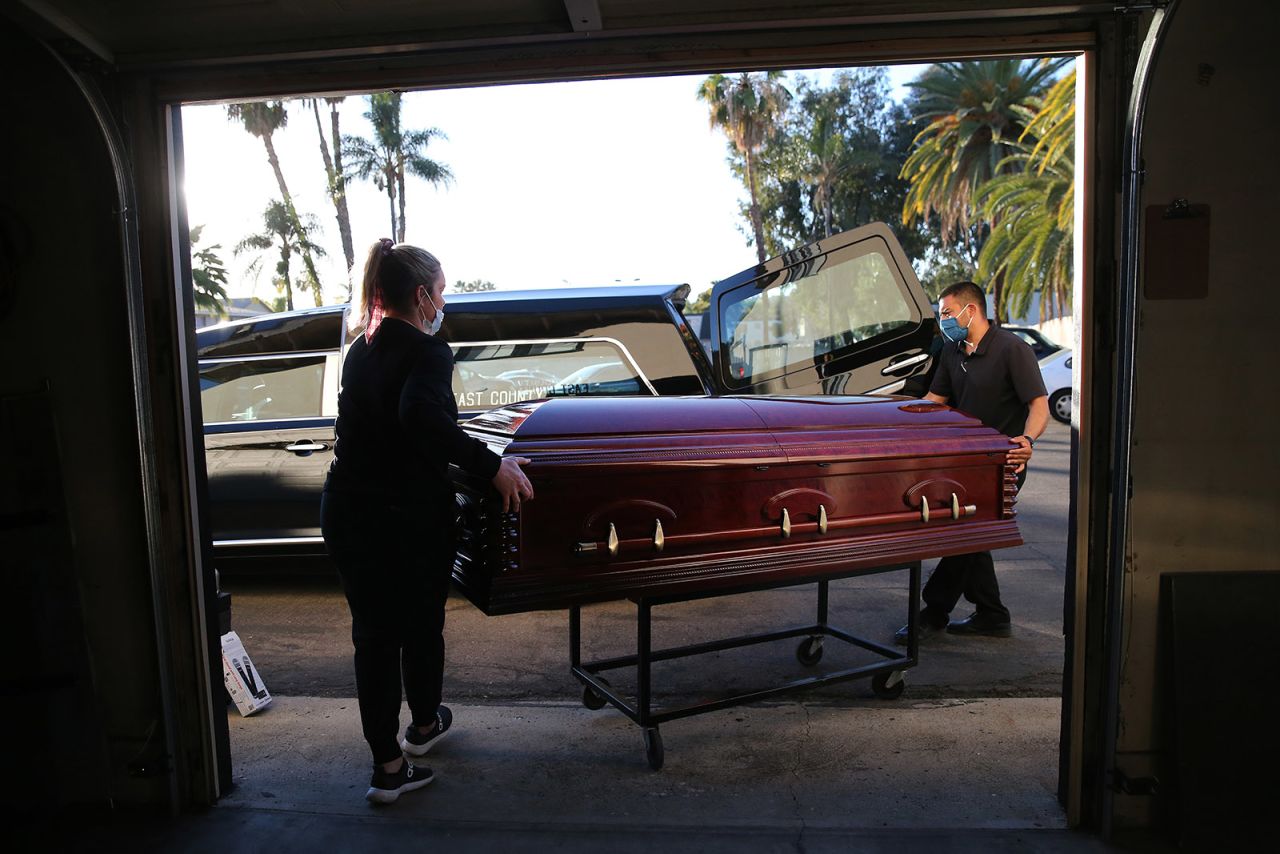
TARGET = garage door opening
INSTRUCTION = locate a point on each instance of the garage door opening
(616, 184)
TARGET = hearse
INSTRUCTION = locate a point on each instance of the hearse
(842, 316)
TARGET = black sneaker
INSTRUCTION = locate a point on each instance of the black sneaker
(416, 744)
(384, 788)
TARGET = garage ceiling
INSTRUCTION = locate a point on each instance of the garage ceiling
(177, 34)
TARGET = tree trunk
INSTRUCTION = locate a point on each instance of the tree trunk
(400, 187)
(286, 276)
(335, 193)
(293, 218)
(826, 212)
(757, 221)
(997, 297)
(340, 193)
(391, 201)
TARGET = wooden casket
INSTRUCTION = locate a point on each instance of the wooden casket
(663, 496)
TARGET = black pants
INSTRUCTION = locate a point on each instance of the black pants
(970, 575)
(395, 563)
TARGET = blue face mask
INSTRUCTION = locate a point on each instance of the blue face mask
(952, 330)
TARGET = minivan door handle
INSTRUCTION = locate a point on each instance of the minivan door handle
(894, 367)
(306, 447)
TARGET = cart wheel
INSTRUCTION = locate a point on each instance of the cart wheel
(653, 747)
(593, 699)
(809, 652)
(884, 689)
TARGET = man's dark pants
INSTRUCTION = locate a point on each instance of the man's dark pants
(970, 575)
(395, 562)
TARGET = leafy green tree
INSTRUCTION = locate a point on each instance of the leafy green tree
(833, 163)
(1032, 205)
(208, 276)
(701, 303)
(972, 124)
(746, 108)
(391, 153)
(280, 232)
(263, 119)
(337, 181)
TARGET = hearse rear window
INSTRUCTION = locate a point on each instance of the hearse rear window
(809, 312)
(490, 374)
(262, 389)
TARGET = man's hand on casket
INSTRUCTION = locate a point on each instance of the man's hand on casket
(512, 484)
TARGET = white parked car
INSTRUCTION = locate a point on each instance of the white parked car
(1056, 370)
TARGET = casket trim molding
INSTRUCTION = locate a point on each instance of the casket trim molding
(804, 500)
(626, 511)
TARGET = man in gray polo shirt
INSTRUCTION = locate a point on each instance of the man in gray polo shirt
(992, 375)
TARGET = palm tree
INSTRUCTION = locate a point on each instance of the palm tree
(748, 108)
(208, 276)
(973, 127)
(391, 153)
(337, 180)
(1033, 203)
(282, 232)
(263, 119)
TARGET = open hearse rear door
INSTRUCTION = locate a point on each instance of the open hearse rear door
(842, 315)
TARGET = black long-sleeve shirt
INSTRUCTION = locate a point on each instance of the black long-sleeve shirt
(397, 429)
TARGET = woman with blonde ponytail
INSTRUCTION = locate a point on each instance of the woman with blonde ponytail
(387, 513)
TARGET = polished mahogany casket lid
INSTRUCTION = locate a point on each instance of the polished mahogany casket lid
(661, 496)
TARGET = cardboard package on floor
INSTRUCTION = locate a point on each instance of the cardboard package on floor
(244, 685)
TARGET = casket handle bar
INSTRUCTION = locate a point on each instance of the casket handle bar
(659, 541)
(958, 510)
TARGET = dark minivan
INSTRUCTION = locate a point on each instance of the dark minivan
(845, 315)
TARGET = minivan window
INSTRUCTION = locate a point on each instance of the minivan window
(812, 312)
(490, 374)
(262, 389)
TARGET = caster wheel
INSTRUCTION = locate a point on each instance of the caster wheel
(653, 748)
(593, 699)
(886, 690)
(809, 652)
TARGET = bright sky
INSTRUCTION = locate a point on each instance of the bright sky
(558, 183)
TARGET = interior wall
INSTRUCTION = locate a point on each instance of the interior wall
(65, 329)
(1204, 464)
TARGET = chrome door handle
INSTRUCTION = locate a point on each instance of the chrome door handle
(905, 363)
(304, 448)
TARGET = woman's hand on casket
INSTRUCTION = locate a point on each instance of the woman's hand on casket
(512, 484)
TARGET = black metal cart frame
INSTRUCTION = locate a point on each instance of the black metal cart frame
(886, 674)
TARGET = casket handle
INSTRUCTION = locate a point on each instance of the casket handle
(822, 518)
(613, 541)
(786, 523)
(924, 509)
(958, 509)
(658, 539)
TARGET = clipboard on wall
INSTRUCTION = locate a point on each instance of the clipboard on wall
(1176, 260)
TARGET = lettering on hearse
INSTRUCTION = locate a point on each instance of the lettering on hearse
(494, 397)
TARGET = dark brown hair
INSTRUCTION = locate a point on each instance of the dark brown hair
(967, 292)
(392, 273)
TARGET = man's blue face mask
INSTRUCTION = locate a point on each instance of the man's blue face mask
(951, 328)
